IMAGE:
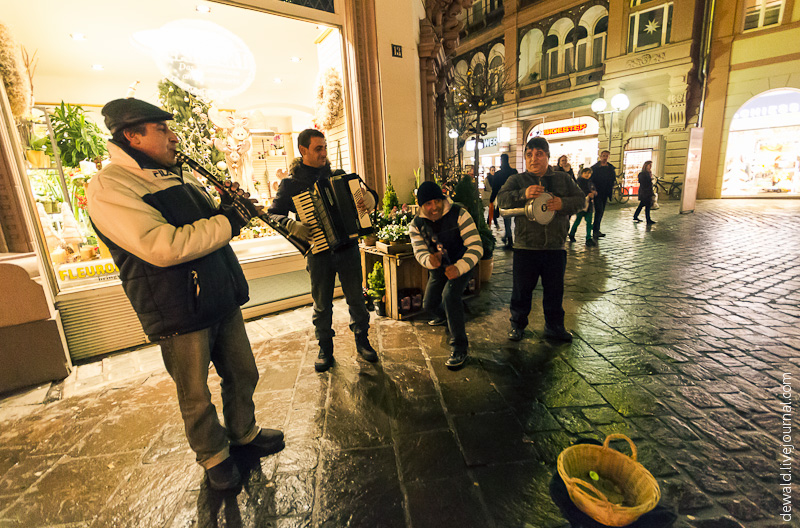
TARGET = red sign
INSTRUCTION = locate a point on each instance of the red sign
(564, 130)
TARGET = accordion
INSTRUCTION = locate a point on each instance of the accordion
(329, 209)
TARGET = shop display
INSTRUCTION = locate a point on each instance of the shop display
(763, 162)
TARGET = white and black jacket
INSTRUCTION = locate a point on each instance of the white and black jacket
(170, 242)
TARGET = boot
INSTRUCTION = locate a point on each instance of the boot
(325, 356)
(365, 349)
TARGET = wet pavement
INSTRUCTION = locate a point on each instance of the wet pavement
(685, 332)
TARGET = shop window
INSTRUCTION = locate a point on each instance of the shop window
(762, 13)
(650, 29)
(322, 5)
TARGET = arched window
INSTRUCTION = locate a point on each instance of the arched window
(599, 41)
(550, 66)
(593, 27)
(496, 73)
(530, 57)
(560, 57)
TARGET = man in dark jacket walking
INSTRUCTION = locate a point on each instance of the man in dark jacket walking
(497, 180)
(169, 240)
(539, 248)
(604, 177)
(324, 266)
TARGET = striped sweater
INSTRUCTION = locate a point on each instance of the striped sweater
(468, 232)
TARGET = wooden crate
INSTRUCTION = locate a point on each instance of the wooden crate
(401, 271)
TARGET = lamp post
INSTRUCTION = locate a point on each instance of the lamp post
(619, 103)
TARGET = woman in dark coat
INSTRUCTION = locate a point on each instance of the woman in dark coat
(563, 165)
(645, 193)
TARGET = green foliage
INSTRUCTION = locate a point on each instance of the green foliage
(376, 282)
(192, 126)
(77, 138)
(466, 194)
(38, 142)
(390, 200)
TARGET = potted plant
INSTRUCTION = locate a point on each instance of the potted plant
(35, 152)
(466, 194)
(377, 288)
(78, 138)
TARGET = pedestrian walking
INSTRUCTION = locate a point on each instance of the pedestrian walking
(445, 240)
(500, 178)
(646, 193)
(586, 185)
(539, 248)
(170, 242)
(323, 267)
(604, 177)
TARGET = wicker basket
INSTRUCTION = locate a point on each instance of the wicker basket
(640, 489)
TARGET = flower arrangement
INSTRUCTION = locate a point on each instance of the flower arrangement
(329, 99)
(13, 74)
(393, 233)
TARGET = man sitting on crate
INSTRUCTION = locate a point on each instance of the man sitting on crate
(446, 241)
(323, 266)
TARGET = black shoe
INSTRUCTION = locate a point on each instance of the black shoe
(365, 349)
(571, 237)
(516, 334)
(509, 246)
(651, 222)
(223, 476)
(437, 322)
(557, 332)
(599, 235)
(636, 220)
(590, 242)
(266, 442)
(325, 356)
(456, 360)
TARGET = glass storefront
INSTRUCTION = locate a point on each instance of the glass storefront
(575, 138)
(241, 85)
(763, 155)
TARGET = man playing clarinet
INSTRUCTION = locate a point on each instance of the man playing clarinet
(446, 241)
(170, 241)
(324, 266)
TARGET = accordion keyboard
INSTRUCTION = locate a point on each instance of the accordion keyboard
(306, 213)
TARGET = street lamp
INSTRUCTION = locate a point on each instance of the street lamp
(454, 136)
(619, 103)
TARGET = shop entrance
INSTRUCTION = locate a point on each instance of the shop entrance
(763, 155)
(575, 138)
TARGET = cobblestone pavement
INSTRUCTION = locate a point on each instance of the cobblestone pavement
(687, 341)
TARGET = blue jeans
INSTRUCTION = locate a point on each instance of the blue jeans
(443, 299)
(323, 268)
(187, 358)
(528, 266)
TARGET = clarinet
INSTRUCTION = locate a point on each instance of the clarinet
(301, 245)
(432, 241)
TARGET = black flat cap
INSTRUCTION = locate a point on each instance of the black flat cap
(122, 113)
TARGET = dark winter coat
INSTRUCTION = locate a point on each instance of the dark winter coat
(645, 187)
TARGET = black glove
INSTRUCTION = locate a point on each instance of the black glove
(239, 211)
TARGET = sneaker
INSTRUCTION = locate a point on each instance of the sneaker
(456, 359)
(223, 476)
(557, 332)
(325, 356)
(365, 349)
(437, 322)
(590, 242)
(266, 442)
(571, 237)
(516, 334)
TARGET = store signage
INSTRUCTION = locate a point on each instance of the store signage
(484, 143)
(108, 271)
(201, 57)
(565, 129)
(773, 109)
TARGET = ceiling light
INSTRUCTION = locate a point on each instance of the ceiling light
(277, 80)
(97, 67)
(202, 8)
(77, 36)
(295, 59)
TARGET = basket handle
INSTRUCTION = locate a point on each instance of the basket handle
(619, 436)
(578, 482)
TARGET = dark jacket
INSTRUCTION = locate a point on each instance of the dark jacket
(586, 185)
(498, 179)
(560, 168)
(529, 234)
(604, 179)
(170, 242)
(645, 187)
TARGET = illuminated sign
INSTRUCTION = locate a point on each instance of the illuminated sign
(565, 129)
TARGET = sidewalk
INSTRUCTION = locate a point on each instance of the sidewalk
(685, 331)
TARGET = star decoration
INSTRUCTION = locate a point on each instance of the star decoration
(651, 27)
